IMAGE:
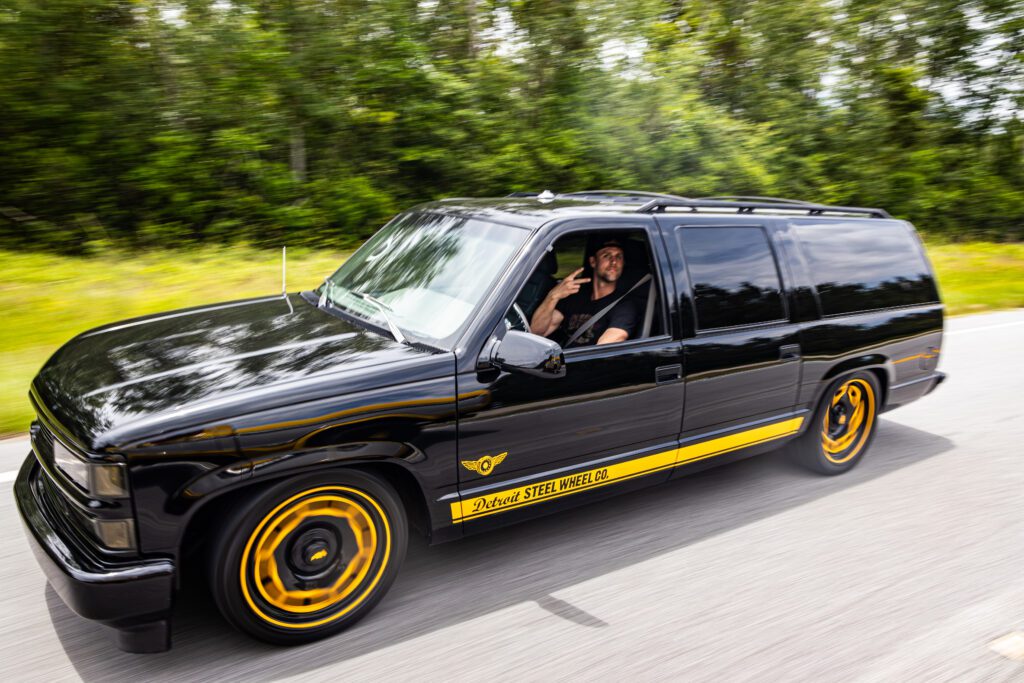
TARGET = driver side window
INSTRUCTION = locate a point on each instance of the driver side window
(592, 287)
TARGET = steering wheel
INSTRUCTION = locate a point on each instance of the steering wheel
(522, 318)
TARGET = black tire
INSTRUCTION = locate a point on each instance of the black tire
(843, 425)
(308, 557)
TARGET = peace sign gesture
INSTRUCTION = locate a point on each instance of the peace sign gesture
(569, 286)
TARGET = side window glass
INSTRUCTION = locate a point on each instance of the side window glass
(637, 310)
(861, 267)
(734, 276)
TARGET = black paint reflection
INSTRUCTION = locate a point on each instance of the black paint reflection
(166, 363)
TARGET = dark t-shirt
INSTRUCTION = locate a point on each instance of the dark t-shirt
(578, 308)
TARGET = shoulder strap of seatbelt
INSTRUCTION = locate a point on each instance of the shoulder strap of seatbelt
(600, 314)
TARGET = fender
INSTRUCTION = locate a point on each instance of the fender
(873, 361)
(408, 430)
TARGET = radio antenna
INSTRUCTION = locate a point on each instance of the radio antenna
(284, 271)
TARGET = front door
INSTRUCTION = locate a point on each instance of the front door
(528, 443)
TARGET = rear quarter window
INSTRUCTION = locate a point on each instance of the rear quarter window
(865, 266)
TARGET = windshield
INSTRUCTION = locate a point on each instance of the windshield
(430, 271)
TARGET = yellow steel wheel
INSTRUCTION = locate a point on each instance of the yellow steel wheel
(308, 558)
(843, 426)
(311, 553)
(848, 420)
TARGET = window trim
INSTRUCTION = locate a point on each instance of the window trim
(787, 315)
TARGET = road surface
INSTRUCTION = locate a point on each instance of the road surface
(906, 568)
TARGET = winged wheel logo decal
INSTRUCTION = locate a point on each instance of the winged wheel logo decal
(484, 465)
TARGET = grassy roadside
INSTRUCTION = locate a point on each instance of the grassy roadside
(979, 276)
(46, 300)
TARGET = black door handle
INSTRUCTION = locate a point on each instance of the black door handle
(668, 373)
(789, 352)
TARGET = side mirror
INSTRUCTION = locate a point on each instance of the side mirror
(530, 354)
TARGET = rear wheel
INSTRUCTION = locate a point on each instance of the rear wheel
(843, 426)
(307, 558)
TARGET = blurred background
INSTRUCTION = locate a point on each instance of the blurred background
(158, 154)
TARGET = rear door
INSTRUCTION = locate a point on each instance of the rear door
(742, 352)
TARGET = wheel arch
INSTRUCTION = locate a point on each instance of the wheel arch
(876, 363)
(202, 523)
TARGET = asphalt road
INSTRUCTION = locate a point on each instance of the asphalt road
(906, 568)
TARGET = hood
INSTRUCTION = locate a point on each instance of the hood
(166, 368)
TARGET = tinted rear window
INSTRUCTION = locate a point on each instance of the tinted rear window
(864, 266)
(734, 277)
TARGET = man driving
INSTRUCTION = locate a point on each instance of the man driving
(574, 301)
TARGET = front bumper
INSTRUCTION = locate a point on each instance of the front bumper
(134, 597)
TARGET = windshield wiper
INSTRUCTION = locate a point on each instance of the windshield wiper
(386, 310)
(324, 298)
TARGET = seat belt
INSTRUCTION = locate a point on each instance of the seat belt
(600, 314)
(649, 313)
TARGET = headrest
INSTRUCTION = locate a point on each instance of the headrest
(548, 264)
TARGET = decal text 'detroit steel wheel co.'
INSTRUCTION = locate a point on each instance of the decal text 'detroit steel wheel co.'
(310, 557)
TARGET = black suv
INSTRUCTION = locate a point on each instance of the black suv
(286, 445)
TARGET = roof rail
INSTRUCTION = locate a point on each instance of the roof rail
(620, 195)
(740, 197)
(659, 205)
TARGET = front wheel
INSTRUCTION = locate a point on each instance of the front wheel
(843, 425)
(306, 558)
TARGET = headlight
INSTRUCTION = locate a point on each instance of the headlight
(101, 480)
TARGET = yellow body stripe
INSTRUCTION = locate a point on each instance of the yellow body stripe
(510, 499)
(915, 357)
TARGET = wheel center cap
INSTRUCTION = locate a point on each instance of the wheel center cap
(315, 553)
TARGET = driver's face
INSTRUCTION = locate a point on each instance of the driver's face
(607, 263)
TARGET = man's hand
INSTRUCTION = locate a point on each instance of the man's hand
(546, 319)
(567, 287)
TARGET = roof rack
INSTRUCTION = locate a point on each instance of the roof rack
(766, 203)
(656, 202)
(740, 197)
(620, 195)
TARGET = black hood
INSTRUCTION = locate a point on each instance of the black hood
(174, 364)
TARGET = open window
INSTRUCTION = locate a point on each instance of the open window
(632, 301)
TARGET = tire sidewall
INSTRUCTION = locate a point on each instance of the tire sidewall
(229, 546)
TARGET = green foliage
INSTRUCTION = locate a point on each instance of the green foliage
(147, 123)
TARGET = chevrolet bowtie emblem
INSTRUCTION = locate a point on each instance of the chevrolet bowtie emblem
(484, 465)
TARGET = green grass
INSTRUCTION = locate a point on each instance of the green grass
(979, 276)
(46, 300)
